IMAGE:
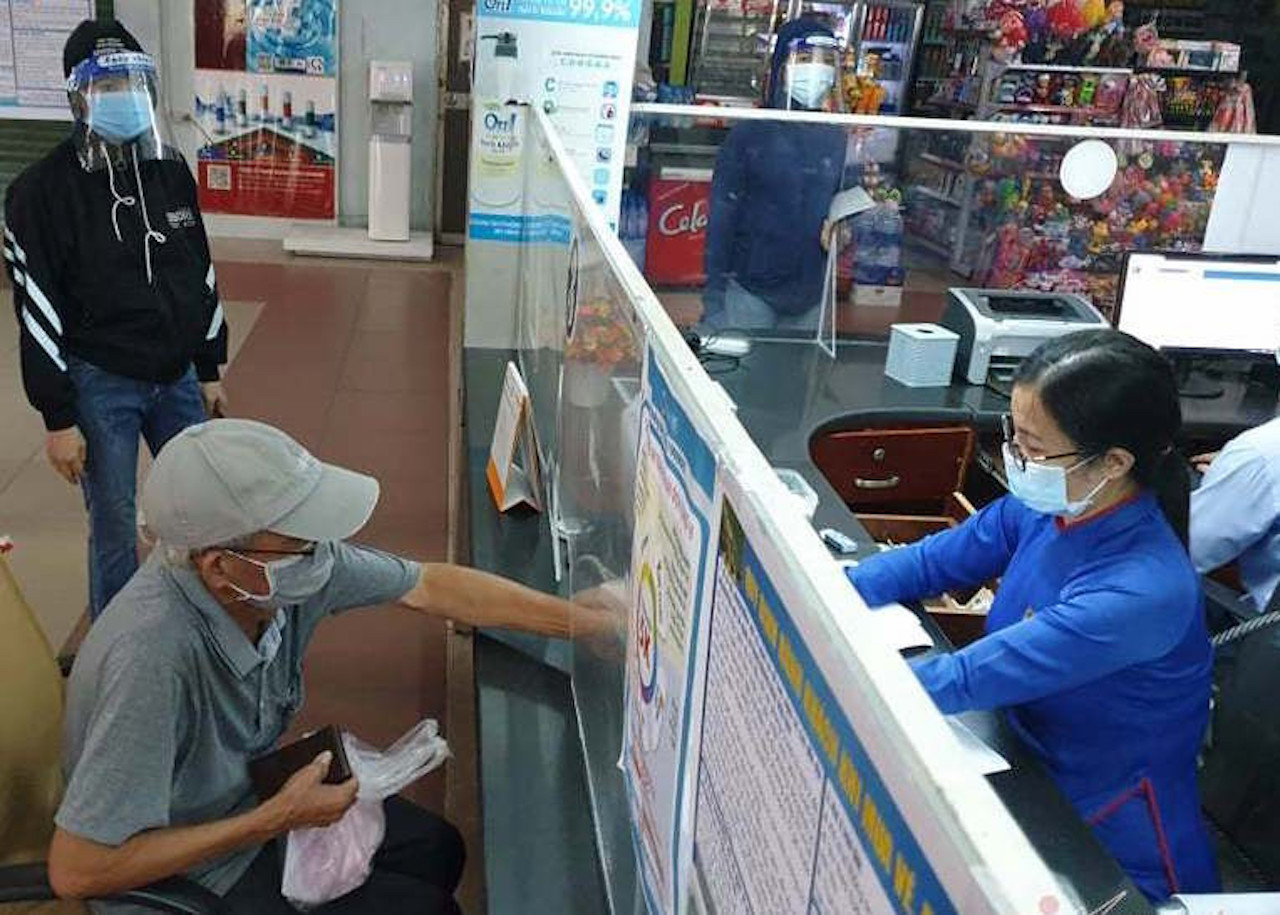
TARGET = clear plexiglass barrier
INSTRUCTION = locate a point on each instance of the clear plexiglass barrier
(728, 213)
(751, 743)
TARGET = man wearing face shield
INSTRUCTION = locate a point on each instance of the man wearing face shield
(121, 331)
(197, 668)
(772, 187)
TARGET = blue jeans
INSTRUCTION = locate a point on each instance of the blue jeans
(746, 311)
(112, 412)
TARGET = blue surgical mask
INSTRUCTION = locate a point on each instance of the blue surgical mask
(1043, 487)
(809, 83)
(120, 116)
(292, 580)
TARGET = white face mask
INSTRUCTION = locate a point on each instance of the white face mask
(1043, 487)
(809, 83)
(291, 580)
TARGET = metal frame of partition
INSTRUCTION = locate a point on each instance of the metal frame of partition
(702, 112)
(975, 847)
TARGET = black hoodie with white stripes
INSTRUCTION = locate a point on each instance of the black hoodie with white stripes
(98, 279)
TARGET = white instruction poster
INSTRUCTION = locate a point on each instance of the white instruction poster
(32, 35)
(676, 512)
(574, 59)
(791, 818)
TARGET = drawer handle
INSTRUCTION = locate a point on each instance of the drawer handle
(887, 483)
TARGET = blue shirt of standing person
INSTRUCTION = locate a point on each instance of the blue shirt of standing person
(1096, 644)
(770, 195)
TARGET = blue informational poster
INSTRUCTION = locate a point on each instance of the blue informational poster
(292, 36)
(676, 508)
(791, 815)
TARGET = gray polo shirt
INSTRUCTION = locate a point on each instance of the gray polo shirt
(169, 700)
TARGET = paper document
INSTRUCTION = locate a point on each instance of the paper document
(900, 627)
(974, 752)
(848, 203)
(1228, 904)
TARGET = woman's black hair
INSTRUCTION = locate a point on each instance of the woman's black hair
(1107, 390)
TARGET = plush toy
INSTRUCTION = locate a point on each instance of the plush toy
(1115, 17)
(1145, 40)
(1010, 258)
(1088, 86)
(1044, 84)
(1066, 92)
(1012, 37)
(1065, 20)
(1094, 13)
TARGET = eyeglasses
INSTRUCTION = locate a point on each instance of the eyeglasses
(1015, 450)
(309, 550)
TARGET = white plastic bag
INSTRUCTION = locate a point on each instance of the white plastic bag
(324, 863)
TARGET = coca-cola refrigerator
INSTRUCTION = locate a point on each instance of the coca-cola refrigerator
(679, 208)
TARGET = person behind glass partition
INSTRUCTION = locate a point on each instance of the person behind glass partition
(772, 188)
(1235, 512)
(1096, 644)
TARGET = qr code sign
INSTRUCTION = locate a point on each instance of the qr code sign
(219, 177)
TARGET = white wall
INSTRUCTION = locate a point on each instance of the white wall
(368, 30)
(1243, 220)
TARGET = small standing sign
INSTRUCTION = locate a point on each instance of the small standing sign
(513, 470)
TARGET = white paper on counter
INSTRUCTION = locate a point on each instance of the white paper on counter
(848, 203)
(900, 627)
(974, 751)
(1230, 904)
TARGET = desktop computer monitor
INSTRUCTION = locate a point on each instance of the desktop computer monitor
(1202, 304)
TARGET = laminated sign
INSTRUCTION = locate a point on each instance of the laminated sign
(513, 470)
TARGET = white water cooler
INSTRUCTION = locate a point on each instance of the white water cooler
(391, 125)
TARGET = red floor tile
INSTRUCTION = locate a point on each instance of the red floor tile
(361, 414)
(389, 361)
(353, 362)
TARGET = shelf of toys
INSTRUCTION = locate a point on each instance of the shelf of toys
(993, 204)
(1053, 94)
(1025, 232)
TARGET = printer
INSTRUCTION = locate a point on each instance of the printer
(998, 328)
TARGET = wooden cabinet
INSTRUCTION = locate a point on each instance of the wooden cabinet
(903, 485)
(895, 471)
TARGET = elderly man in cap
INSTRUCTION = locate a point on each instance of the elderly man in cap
(198, 668)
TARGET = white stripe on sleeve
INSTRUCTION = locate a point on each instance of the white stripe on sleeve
(215, 324)
(45, 341)
(42, 302)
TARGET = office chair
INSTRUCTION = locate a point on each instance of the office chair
(30, 768)
(1240, 779)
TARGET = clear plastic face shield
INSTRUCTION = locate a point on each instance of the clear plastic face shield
(115, 97)
(810, 77)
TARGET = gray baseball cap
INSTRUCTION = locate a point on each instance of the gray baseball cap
(227, 478)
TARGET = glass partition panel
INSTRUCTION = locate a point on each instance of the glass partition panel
(919, 208)
(581, 347)
(548, 288)
(735, 212)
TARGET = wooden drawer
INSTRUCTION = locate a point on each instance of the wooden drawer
(897, 468)
(958, 624)
(894, 528)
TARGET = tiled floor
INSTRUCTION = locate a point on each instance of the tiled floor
(45, 516)
(354, 360)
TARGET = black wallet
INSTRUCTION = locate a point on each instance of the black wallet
(270, 771)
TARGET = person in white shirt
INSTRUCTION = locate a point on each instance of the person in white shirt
(1235, 512)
